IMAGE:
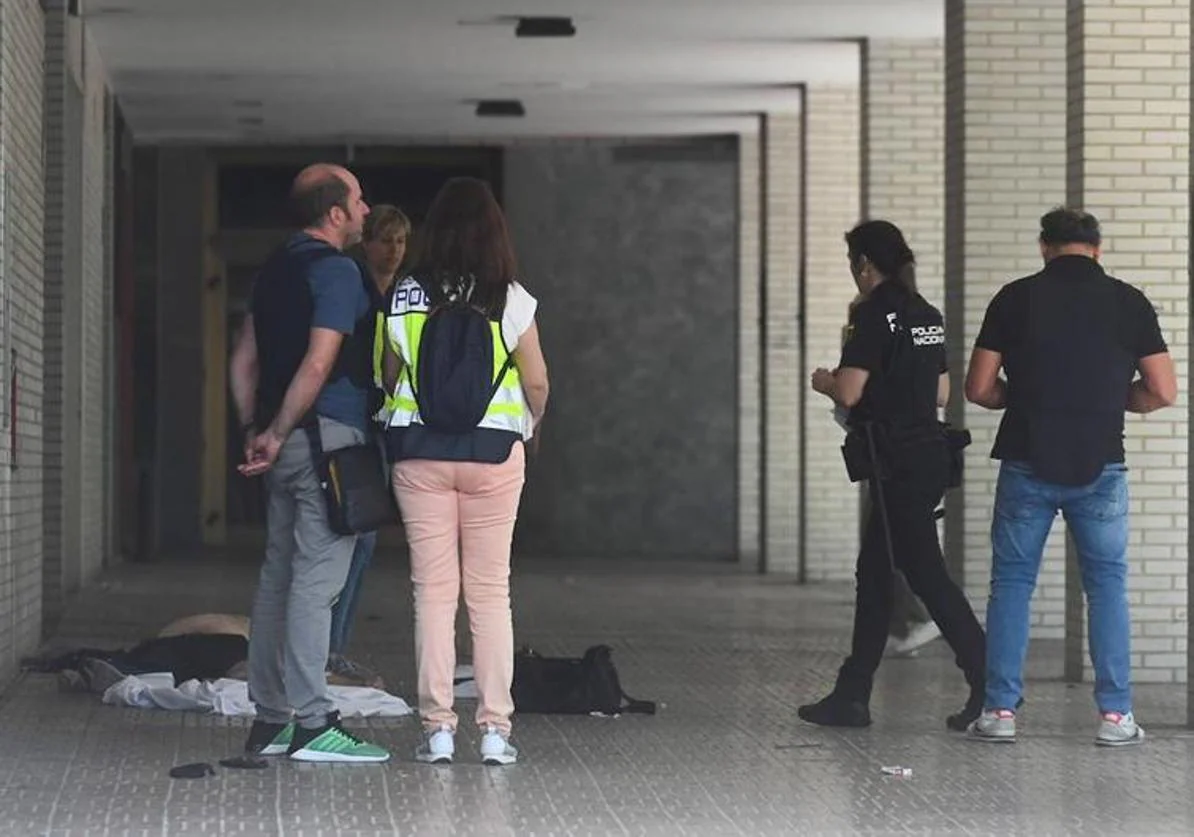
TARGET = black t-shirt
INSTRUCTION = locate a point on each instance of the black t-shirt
(1070, 338)
(899, 338)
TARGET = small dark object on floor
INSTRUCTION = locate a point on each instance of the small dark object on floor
(199, 770)
(245, 763)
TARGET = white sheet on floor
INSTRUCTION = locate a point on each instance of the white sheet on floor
(231, 697)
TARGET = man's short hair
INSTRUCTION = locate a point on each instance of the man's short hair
(1070, 226)
(311, 201)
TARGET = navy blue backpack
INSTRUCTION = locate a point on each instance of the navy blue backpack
(455, 371)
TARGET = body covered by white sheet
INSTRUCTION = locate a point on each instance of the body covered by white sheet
(231, 697)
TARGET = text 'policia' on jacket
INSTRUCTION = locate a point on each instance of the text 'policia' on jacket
(503, 424)
(282, 308)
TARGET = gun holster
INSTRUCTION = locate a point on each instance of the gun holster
(956, 441)
(865, 453)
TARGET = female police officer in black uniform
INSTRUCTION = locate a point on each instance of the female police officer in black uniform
(893, 378)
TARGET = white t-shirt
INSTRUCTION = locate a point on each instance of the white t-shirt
(519, 314)
(516, 319)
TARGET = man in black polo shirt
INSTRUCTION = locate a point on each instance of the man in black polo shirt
(1070, 340)
(302, 363)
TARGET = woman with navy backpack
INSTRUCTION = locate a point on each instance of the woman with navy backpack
(462, 357)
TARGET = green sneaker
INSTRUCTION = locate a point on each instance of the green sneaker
(333, 743)
(269, 739)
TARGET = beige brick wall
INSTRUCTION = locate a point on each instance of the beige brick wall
(55, 325)
(77, 257)
(904, 157)
(905, 149)
(21, 219)
(832, 502)
(1129, 141)
(1005, 166)
(749, 267)
(783, 369)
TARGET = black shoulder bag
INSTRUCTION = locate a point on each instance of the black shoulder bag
(354, 484)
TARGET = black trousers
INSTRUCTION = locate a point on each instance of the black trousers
(907, 612)
(917, 483)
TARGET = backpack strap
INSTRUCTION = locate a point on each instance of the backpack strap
(501, 376)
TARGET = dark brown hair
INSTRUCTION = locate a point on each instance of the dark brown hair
(883, 245)
(464, 236)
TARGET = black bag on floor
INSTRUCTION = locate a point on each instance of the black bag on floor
(569, 686)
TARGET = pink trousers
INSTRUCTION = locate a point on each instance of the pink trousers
(459, 519)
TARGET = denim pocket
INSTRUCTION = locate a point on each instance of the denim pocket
(1107, 499)
(1020, 496)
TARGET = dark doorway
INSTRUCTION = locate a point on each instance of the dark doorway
(253, 186)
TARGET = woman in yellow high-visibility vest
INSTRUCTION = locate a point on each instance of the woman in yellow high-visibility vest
(458, 486)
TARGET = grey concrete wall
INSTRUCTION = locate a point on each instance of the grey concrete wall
(177, 470)
(635, 265)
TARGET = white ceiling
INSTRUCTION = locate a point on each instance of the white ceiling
(409, 70)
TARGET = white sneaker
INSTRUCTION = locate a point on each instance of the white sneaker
(893, 644)
(918, 637)
(438, 747)
(998, 725)
(1118, 730)
(496, 750)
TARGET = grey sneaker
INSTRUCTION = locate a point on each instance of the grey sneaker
(496, 750)
(998, 725)
(1118, 730)
(438, 747)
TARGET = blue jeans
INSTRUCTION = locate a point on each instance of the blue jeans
(345, 608)
(1097, 516)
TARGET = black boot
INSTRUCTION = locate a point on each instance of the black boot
(970, 712)
(961, 721)
(836, 711)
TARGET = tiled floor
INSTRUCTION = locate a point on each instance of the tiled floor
(729, 656)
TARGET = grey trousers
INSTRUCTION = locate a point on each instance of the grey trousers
(305, 567)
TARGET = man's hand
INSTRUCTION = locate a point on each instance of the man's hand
(261, 452)
(250, 433)
(823, 382)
